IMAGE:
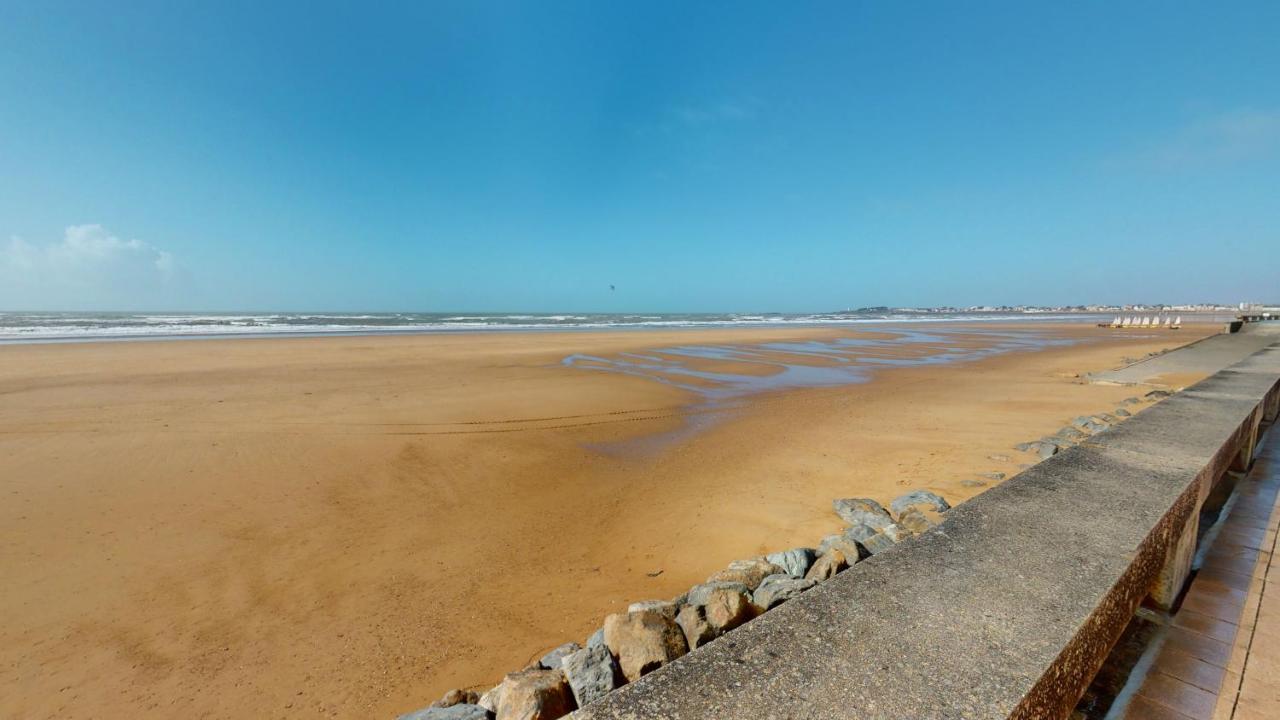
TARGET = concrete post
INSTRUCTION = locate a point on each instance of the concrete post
(1177, 565)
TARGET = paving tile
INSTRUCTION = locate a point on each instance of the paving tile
(1178, 695)
(1206, 625)
(1192, 671)
(1140, 708)
(1199, 646)
(1231, 579)
(1221, 605)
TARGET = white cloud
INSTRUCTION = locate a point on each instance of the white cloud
(1227, 138)
(88, 269)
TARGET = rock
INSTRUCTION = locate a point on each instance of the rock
(1121, 412)
(551, 660)
(748, 572)
(930, 500)
(457, 697)
(846, 546)
(1157, 394)
(1130, 401)
(666, 607)
(1095, 427)
(591, 673)
(1027, 446)
(693, 621)
(862, 510)
(491, 699)
(777, 589)
(1081, 422)
(915, 521)
(643, 641)
(990, 476)
(1070, 433)
(877, 544)
(973, 483)
(461, 711)
(535, 695)
(726, 609)
(860, 532)
(795, 561)
(1000, 458)
(596, 639)
(1108, 418)
(828, 565)
(700, 594)
(1046, 450)
(896, 532)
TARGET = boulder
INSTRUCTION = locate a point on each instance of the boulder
(1108, 418)
(1157, 394)
(1071, 433)
(643, 641)
(896, 532)
(726, 609)
(929, 501)
(860, 532)
(1121, 412)
(699, 594)
(1130, 401)
(915, 520)
(1000, 458)
(457, 697)
(491, 699)
(848, 547)
(877, 544)
(1095, 427)
(538, 694)
(591, 673)
(693, 621)
(1081, 422)
(666, 607)
(973, 483)
(795, 561)
(748, 572)
(1026, 446)
(861, 510)
(828, 565)
(596, 639)
(992, 475)
(462, 711)
(551, 660)
(1046, 450)
(777, 589)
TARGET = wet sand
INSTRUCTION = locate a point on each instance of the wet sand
(347, 527)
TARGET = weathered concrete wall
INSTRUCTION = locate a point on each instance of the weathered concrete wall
(1008, 608)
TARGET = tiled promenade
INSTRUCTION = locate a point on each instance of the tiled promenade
(1220, 660)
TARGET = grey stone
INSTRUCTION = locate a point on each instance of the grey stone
(828, 565)
(1108, 418)
(929, 500)
(1123, 413)
(551, 660)
(973, 483)
(1070, 433)
(700, 594)
(1027, 446)
(861, 510)
(491, 699)
(877, 544)
(992, 475)
(858, 533)
(597, 638)
(748, 572)
(1130, 401)
(591, 673)
(1000, 458)
(1046, 450)
(777, 589)
(897, 532)
(795, 561)
(462, 711)
(1157, 394)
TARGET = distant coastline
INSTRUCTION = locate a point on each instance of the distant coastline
(39, 327)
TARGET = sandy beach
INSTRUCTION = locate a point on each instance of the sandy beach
(347, 527)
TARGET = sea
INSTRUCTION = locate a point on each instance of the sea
(21, 327)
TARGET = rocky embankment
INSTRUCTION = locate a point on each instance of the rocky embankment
(652, 633)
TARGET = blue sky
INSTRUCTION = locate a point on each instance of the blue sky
(700, 157)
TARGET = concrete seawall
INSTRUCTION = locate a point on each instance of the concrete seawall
(1007, 609)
